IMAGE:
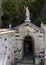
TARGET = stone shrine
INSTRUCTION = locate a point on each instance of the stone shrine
(24, 44)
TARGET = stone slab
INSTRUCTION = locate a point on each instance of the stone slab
(23, 64)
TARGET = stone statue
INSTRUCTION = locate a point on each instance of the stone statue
(27, 15)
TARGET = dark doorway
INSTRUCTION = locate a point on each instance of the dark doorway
(28, 48)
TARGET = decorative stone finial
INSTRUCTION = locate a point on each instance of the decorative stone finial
(41, 24)
(27, 15)
(9, 26)
(42, 27)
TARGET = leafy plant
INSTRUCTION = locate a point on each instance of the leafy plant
(14, 11)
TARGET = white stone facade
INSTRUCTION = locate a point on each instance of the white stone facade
(11, 43)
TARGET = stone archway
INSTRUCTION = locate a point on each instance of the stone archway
(28, 48)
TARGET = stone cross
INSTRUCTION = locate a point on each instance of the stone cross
(27, 47)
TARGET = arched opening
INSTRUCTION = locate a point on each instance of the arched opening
(29, 49)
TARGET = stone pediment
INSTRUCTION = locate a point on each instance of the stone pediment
(28, 26)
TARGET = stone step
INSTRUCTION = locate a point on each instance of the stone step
(24, 64)
(27, 62)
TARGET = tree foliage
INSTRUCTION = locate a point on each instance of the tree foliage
(14, 11)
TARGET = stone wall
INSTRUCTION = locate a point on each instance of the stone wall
(7, 47)
(11, 43)
(38, 38)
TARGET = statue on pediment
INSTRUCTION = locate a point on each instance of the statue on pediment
(27, 14)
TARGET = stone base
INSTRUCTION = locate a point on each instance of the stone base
(37, 61)
(27, 21)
